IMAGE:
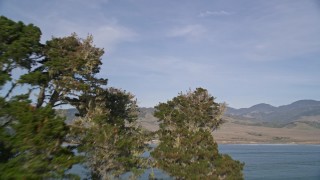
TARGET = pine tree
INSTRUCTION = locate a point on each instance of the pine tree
(187, 149)
(66, 71)
(19, 47)
(33, 139)
(30, 137)
(109, 136)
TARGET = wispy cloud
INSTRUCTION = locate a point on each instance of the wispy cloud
(283, 37)
(191, 31)
(108, 31)
(109, 36)
(220, 45)
(214, 13)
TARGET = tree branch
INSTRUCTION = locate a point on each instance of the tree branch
(60, 104)
(14, 84)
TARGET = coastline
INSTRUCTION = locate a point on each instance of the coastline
(225, 142)
(234, 133)
(267, 143)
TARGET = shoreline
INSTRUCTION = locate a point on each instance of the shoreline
(156, 141)
(267, 143)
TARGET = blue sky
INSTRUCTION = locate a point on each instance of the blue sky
(243, 51)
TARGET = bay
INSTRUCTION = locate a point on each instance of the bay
(264, 161)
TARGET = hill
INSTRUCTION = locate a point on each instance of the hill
(303, 111)
(147, 120)
(298, 122)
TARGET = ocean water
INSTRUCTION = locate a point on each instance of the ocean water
(283, 162)
(262, 162)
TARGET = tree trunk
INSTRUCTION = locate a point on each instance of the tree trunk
(41, 96)
(54, 98)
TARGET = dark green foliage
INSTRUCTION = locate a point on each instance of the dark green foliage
(122, 107)
(67, 70)
(195, 157)
(64, 71)
(187, 149)
(194, 110)
(19, 45)
(33, 142)
(112, 151)
(108, 135)
(30, 137)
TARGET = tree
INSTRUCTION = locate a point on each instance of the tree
(66, 71)
(187, 149)
(30, 137)
(109, 137)
(67, 75)
(63, 71)
(19, 47)
(33, 139)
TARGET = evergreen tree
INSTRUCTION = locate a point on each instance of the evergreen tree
(30, 137)
(19, 47)
(187, 149)
(66, 71)
(109, 137)
(19, 43)
(63, 70)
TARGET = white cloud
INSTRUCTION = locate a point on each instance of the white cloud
(109, 36)
(63, 19)
(220, 49)
(191, 31)
(277, 33)
(214, 13)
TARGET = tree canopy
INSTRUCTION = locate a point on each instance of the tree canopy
(187, 149)
(35, 140)
(109, 136)
(19, 46)
(30, 137)
(62, 71)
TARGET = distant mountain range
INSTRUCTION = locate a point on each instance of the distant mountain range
(298, 122)
(303, 111)
(306, 111)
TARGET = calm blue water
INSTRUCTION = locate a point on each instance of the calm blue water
(277, 161)
(263, 162)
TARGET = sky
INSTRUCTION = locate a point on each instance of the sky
(244, 52)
